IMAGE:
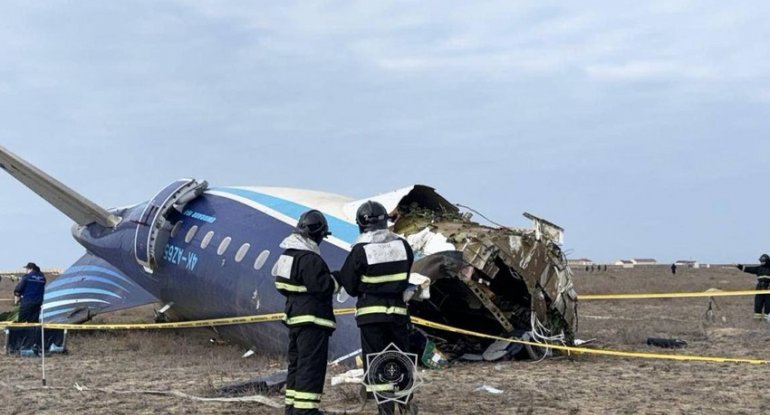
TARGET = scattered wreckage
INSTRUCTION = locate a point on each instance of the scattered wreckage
(502, 281)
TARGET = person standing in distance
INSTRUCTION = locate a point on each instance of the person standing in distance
(761, 301)
(29, 292)
(303, 277)
(377, 272)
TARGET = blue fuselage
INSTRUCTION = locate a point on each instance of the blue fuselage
(218, 261)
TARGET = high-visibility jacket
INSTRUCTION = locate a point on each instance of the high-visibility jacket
(304, 279)
(377, 272)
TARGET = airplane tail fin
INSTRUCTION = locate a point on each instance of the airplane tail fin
(89, 287)
(68, 201)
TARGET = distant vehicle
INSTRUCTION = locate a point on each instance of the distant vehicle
(208, 252)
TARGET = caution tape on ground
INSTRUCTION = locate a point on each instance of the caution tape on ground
(716, 293)
(174, 325)
(426, 323)
(416, 320)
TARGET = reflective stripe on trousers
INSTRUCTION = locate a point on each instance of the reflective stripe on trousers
(380, 309)
(310, 319)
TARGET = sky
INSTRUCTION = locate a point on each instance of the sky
(639, 127)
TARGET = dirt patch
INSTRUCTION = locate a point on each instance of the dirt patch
(186, 361)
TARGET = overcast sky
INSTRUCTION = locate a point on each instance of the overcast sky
(640, 127)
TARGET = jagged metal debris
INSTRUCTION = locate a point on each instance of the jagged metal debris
(494, 279)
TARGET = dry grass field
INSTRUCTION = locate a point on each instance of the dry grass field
(121, 367)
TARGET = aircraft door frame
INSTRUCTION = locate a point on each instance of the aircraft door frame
(153, 228)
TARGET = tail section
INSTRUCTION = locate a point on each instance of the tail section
(68, 201)
(89, 287)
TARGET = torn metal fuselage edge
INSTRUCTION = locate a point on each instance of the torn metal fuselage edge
(500, 281)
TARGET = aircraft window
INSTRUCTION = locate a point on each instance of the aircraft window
(242, 252)
(261, 259)
(191, 234)
(223, 245)
(207, 239)
(175, 229)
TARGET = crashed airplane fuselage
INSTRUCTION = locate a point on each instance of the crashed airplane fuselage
(208, 253)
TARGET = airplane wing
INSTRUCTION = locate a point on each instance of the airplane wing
(68, 201)
(89, 287)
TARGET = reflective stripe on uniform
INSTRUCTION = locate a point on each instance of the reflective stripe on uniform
(308, 396)
(288, 401)
(379, 253)
(310, 319)
(384, 387)
(384, 278)
(380, 309)
(290, 287)
(305, 405)
(282, 267)
(289, 397)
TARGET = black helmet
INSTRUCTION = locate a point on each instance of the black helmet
(371, 216)
(764, 259)
(312, 224)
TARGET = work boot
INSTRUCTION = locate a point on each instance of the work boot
(387, 408)
(364, 395)
(408, 409)
(759, 316)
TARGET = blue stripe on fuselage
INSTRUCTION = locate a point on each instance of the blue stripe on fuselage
(71, 291)
(341, 229)
(73, 270)
(62, 281)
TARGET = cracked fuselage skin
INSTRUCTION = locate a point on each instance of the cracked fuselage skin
(515, 274)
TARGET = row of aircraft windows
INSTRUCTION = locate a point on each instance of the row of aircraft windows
(239, 255)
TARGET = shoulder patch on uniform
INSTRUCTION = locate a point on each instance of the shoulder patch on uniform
(378, 253)
(282, 267)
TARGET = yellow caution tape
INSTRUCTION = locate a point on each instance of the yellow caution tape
(174, 325)
(149, 326)
(439, 326)
(415, 320)
(669, 295)
(420, 322)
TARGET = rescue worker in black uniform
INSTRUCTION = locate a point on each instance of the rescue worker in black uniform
(29, 291)
(377, 272)
(303, 277)
(761, 301)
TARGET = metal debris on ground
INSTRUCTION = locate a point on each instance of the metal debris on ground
(487, 388)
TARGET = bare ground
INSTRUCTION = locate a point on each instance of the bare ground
(124, 365)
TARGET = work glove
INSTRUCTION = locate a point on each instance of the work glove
(16, 299)
(409, 293)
